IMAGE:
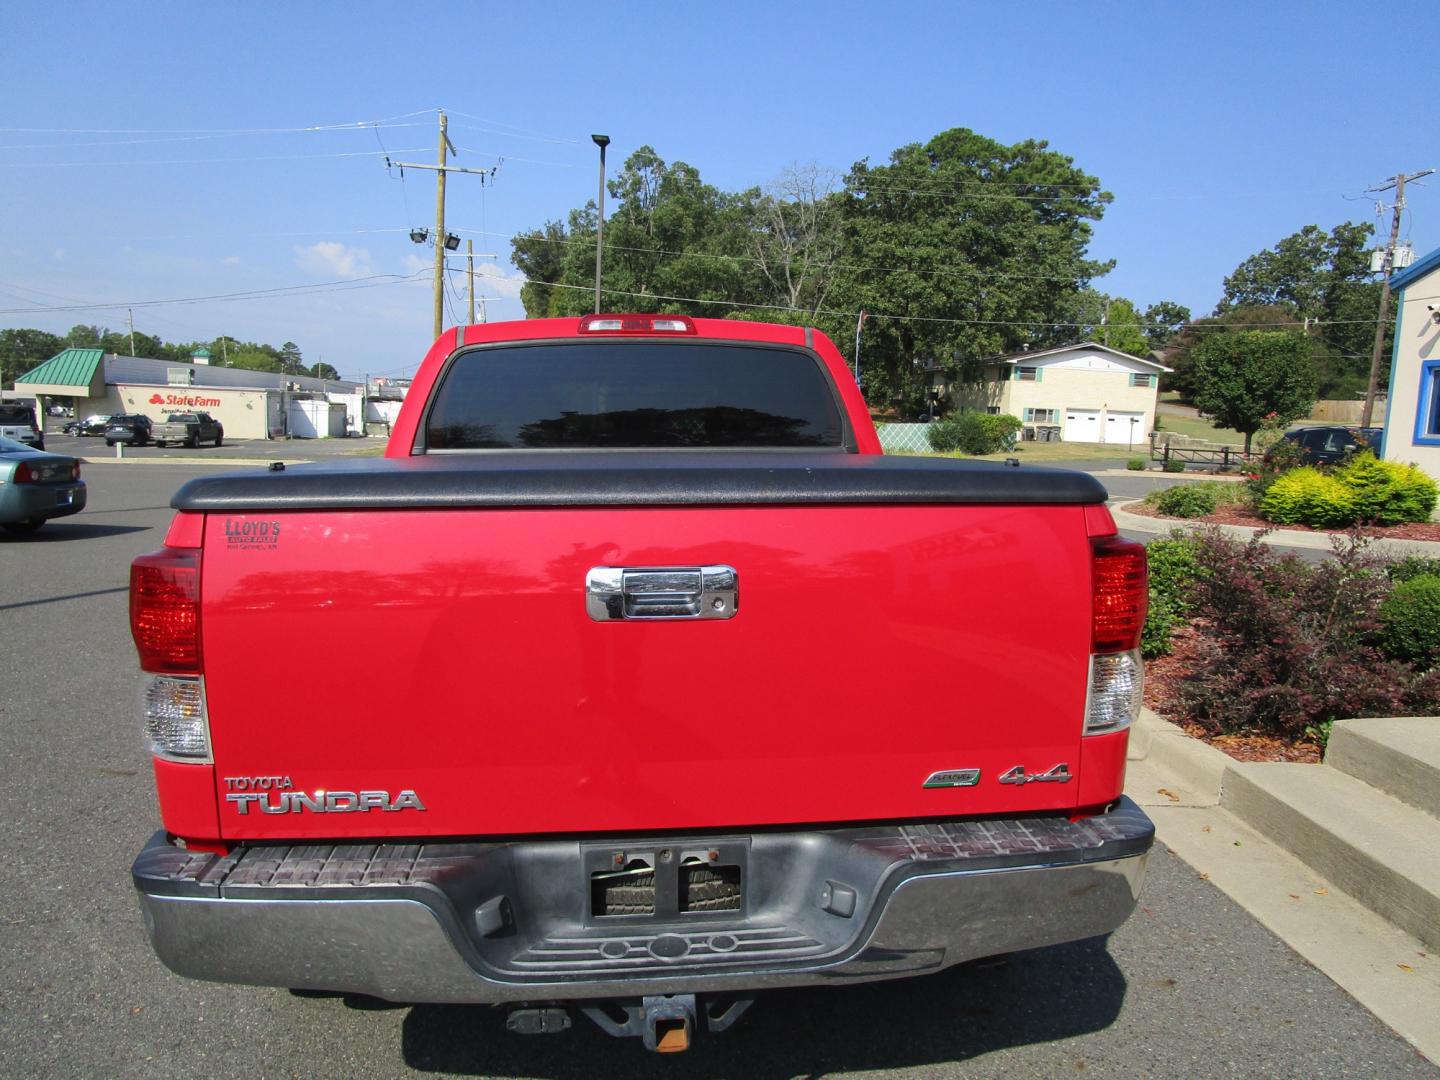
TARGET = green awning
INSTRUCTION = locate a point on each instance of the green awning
(73, 367)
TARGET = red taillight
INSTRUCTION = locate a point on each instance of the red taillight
(1119, 594)
(636, 324)
(165, 610)
(23, 474)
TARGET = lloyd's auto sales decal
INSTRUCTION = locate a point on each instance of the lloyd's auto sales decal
(249, 534)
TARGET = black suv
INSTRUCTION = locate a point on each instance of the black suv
(134, 430)
(1332, 445)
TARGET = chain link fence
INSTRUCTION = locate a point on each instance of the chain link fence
(904, 438)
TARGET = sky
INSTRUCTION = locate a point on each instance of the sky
(155, 154)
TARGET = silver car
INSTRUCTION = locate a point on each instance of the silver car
(36, 486)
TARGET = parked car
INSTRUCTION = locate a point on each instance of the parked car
(17, 421)
(36, 486)
(190, 428)
(1332, 444)
(133, 429)
(91, 425)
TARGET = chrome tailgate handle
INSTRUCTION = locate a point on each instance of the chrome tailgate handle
(661, 592)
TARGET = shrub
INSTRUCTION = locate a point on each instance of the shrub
(1364, 490)
(1411, 619)
(1284, 645)
(1187, 500)
(1173, 466)
(1387, 492)
(1307, 496)
(1173, 569)
(1136, 464)
(974, 433)
(1412, 566)
(1279, 459)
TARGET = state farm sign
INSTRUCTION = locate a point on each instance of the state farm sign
(188, 401)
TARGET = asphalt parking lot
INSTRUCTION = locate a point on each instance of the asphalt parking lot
(1191, 985)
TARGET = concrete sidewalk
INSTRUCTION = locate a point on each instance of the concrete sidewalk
(1296, 538)
(1323, 859)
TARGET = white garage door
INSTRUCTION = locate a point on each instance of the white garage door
(1119, 431)
(1082, 425)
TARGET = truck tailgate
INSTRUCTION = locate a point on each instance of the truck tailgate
(449, 653)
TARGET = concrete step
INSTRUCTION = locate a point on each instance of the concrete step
(1400, 755)
(1380, 850)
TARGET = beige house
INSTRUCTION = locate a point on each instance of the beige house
(1412, 414)
(1085, 393)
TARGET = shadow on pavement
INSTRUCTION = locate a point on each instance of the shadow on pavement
(963, 1013)
(59, 532)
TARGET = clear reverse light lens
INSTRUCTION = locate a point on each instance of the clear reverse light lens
(1116, 683)
(175, 720)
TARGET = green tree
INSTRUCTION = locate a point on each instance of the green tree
(669, 235)
(1323, 279)
(81, 336)
(541, 256)
(963, 248)
(255, 360)
(322, 370)
(290, 360)
(1122, 328)
(21, 350)
(1163, 321)
(1179, 354)
(1242, 378)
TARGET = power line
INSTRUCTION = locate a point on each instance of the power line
(194, 138)
(516, 131)
(344, 285)
(198, 161)
(906, 318)
(348, 126)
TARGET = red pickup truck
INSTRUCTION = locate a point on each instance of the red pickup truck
(632, 681)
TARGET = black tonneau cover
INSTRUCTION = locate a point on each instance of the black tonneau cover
(635, 478)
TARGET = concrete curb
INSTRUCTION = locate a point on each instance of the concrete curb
(237, 462)
(1348, 832)
(1218, 815)
(1198, 764)
(1294, 538)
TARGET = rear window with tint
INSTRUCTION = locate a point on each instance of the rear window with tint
(17, 414)
(628, 394)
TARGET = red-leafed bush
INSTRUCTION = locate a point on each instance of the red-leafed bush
(1284, 647)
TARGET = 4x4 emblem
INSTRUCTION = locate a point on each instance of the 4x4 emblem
(1059, 774)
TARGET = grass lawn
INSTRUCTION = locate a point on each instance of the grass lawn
(1057, 452)
(1200, 429)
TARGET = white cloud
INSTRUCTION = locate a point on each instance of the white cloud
(333, 259)
(501, 280)
(413, 264)
(230, 260)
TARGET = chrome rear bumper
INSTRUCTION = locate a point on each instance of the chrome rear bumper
(506, 922)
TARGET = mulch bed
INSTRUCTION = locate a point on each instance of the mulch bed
(1236, 515)
(1163, 676)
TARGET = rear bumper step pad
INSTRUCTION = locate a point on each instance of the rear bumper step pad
(516, 921)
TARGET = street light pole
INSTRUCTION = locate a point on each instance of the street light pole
(601, 141)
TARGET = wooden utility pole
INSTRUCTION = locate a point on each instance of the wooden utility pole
(440, 238)
(131, 313)
(440, 230)
(470, 259)
(1398, 183)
